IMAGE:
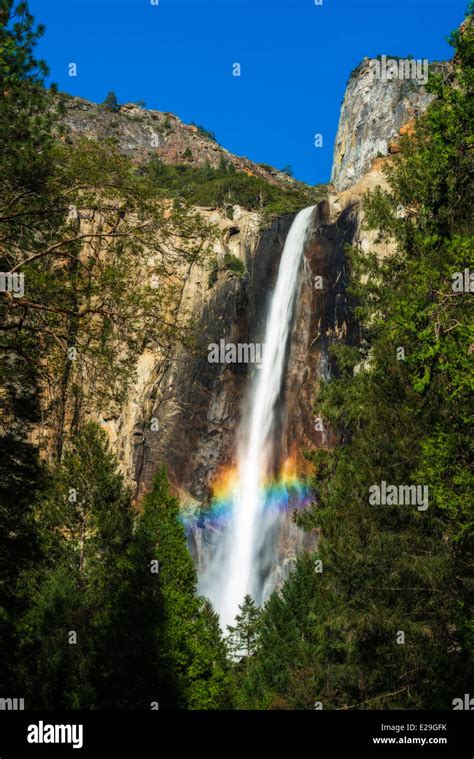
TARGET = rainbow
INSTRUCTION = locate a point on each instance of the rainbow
(280, 494)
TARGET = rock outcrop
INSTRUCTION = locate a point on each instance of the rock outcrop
(143, 134)
(373, 112)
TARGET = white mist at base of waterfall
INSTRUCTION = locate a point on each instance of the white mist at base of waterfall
(237, 567)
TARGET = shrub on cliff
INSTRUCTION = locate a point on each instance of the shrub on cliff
(234, 264)
(204, 132)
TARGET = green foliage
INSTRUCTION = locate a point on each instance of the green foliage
(277, 674)
(28, 115)
(21, 483)
(213, 273)
(125, 584)
(225, 166)
(111, 102)
(204, 132)
(85, 522)
(190, 637)
(243, 637)
(232, 263)
(28, 112)
(243, 640)
(205, 186)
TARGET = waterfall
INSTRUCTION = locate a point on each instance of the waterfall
(239, 565)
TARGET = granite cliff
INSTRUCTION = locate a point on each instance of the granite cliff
(144, 134)
(374, 113)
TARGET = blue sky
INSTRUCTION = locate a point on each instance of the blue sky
(295, 60)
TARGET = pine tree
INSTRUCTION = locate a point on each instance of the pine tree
(210, 672)
(86, 523)
(28, 111)
(22, 479)
(243, 636)
(192, 653)
(27, 116)
(277, 675)
(111, 102)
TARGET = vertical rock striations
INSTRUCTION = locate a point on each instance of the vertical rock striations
(373, 112)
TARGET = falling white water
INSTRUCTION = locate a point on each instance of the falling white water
(239, 571)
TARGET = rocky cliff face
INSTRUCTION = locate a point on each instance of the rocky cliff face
(375, 111)
(184, 411)
(145, 134)
(195, 404)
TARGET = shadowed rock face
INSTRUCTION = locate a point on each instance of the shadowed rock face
(324, 317)
(198, 403)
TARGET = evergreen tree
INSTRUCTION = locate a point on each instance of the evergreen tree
(113, 619)
(243, 636)
(21, 483)
(192, 653)
(86, 521)
(277, 675)
(210, 672)
(27, 117)
(111, 102)
(28, 111)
